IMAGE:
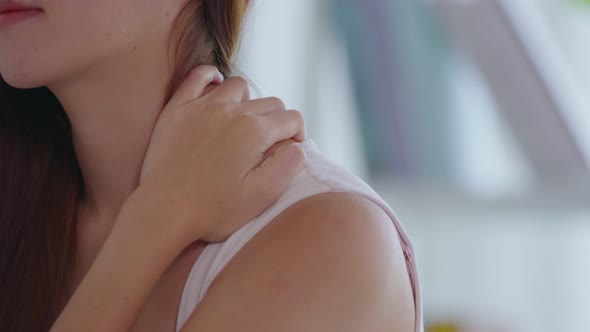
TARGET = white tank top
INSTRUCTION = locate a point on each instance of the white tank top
(320, 175)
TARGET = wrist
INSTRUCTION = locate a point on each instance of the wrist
(132, 259)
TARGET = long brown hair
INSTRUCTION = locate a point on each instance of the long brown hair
(40, 178)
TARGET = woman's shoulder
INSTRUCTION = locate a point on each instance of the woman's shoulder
(327, 208)
(320, 176)
(330, 261)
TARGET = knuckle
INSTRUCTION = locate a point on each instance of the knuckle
(240, 82)
(197, 74)
(203, 70)
(227, 109)
(297, 117)
(277, 103)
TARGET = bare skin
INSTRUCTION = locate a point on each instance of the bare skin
(351, 243)
(270, 284)
(206, 150)
(107, 63)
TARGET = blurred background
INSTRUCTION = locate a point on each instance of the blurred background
(472, 119)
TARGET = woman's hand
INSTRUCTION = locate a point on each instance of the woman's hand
(200, 179)
(202, 165)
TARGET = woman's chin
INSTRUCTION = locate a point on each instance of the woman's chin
(20, 81)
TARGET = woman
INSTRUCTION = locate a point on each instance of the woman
(142, 190)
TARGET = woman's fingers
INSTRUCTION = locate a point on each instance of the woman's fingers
(282, 125)
(265, 105)
(195, 83)
(233, 90)
(273, 177)
(273, 149)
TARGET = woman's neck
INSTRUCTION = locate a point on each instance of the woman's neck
(113, 108)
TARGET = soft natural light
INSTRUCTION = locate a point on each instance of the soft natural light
(500, 225)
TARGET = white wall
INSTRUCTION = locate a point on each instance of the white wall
(290, 52)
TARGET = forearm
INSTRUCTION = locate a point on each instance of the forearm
(132, 259)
